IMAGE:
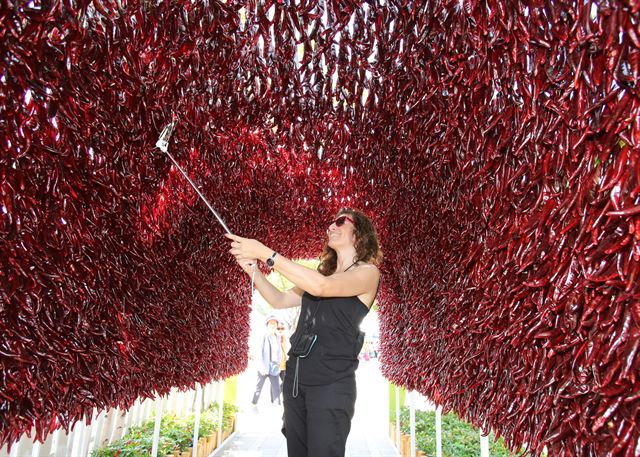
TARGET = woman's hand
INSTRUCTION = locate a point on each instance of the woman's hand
(248, 265)
(246, 251)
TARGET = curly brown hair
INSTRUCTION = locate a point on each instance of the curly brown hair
(367, 247)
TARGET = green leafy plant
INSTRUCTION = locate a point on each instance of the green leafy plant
(229, 411)
(135, 447)
(176, 433)
(459, 438)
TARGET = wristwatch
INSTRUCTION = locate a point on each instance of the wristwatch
(271, 260)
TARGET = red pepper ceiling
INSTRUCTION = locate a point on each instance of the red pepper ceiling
(495, 144)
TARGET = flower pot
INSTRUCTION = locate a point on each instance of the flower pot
(212, 442)
(405, 445)
(202, 450)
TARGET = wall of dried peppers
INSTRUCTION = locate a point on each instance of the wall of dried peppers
(495, 143)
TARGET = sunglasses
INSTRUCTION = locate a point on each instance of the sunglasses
(342, 219)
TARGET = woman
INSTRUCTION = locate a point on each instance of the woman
(319, 385)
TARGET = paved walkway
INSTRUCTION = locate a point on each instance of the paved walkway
(258, 428)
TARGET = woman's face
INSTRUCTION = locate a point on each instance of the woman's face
(341, 232)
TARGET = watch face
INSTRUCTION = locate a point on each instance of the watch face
(269, 261)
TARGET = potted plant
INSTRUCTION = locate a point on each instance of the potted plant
(176, 435)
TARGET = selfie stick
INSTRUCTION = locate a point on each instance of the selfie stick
(163, 145)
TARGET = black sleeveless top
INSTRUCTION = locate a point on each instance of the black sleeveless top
(335, 353)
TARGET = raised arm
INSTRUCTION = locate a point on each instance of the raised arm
(358, 281)
(276, 298)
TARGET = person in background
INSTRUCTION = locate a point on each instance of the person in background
(269, 362)
(364, 354)
(284, 344)
(320, 384)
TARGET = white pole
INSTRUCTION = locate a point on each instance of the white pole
(439, 431)
(25, 444)
(137, 419)
(132, 413)
(156, 427)
(70, 440)
(35, 450)
(171, 401)
(412, 422)
(62, 442)
(78, 437)
(15, 448)
(205, 395)
(117, 431)
(397, 417)
(148, 406)
(96, 429)
(220, 409)
(45, 448)
(211, 393)
(54, 442)
(484, 444)
(88, 433)
(102, 438)
(196, 424)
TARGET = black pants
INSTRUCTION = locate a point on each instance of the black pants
(317, 422)
(275, 388)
